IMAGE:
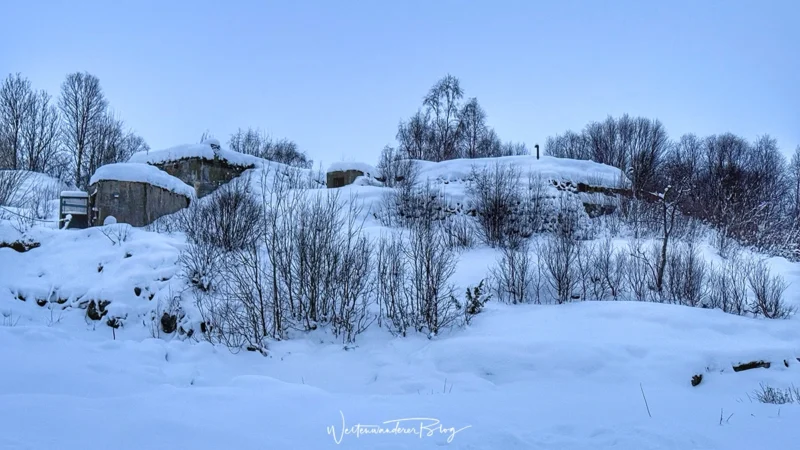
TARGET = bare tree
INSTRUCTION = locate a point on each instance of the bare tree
(15, 108)
(10, 183)
(669, 201)
(794, 179)
(257, 143)
(109, 143)
(40, 136)
(415, 137)
(514, 149)
(569, 145)
(83, 105)
(442, 103)
(473, 129)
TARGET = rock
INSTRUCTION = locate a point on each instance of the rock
(97, 310)
(169, 323)
(751, 365)
(20, 246)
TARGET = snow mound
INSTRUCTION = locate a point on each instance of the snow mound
(32, 182)
(202, 151)
(547, 167)
(212, 142)
(142, 173)
(348, 165)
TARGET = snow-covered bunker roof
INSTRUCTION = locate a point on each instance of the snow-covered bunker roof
(142, 173)
(344, 166)
(200, 151)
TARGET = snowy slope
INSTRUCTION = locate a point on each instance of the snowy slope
(520, 377)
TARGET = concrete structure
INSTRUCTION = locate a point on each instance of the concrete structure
(203, 174)
(342, 173)
(340, 178)
(137, 204)
(135, 193)
(205, 166)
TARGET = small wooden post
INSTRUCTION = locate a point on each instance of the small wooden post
(537, 151)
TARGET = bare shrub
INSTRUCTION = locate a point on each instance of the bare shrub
(38, 200)
(777, 396)
(201, 264)
(513, 277)
(229, 219)
(390, 279)
(688, 276)
(768, 292)
(559, 253)
(10, 183)
(460, 231)
(494, 195)
(117, 233)
(354, 283)
(608, 268)
(246, 305)
(395, 170)
(506, 211)
(640, 271)
(431, 264)
(728, 287)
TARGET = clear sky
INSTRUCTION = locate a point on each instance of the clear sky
(337, 76)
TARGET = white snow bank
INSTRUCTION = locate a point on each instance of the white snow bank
(203, 151)
(349, 165)
(548, 167)
(142, 173)
(523, 377)
(33, 183)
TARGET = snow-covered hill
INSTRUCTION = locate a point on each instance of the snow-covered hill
(584, 375)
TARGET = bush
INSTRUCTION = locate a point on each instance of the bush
(728, 288)
(230, 219)
(475, 300)
(559, 253)
(506, 212)
(777, 396)
(767, 292)
(687, 276)
(514, 279)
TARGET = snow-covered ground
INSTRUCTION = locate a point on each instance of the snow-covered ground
(527, 377)
(586, 375)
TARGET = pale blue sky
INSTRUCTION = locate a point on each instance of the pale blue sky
(337, 76)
